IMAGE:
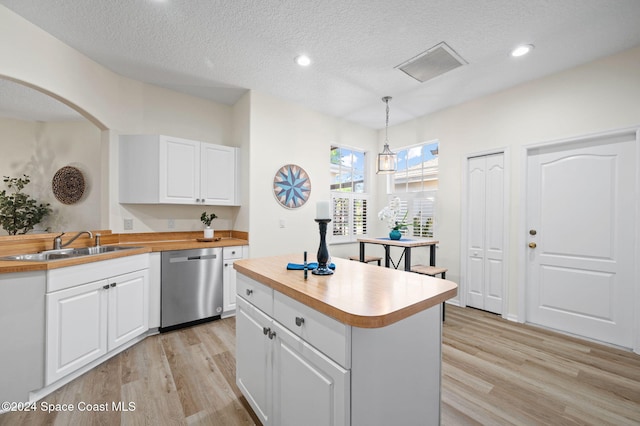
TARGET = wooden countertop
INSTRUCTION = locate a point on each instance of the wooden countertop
(8, 266)
(357, 294)
(187, 244)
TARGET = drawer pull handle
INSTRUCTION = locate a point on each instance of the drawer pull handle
(249, 292)
(266, 330)
(299, 321)
(272, 334)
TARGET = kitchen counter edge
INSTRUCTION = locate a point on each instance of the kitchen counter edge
(11, 266)
(290, 284)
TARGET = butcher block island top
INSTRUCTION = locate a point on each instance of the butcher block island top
(357, 294)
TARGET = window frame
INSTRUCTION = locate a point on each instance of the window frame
(427, 173)
(349, 235)
(417, 201)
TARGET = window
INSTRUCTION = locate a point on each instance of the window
(348, 197)
(416, 184)
(347, 170)
(417, 169)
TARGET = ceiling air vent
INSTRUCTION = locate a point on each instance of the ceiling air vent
(435, 61)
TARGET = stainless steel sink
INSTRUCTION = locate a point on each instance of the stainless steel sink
(39, 257)
(49, 255)
(87, 251)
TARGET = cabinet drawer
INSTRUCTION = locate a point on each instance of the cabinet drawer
(329, 336)
(255, 293)
(233, 252)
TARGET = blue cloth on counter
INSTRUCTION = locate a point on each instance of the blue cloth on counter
(310, 266)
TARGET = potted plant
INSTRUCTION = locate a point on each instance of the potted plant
(19, 213)
(390, 214)
(207, 219)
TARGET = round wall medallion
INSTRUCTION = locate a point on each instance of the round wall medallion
(291, 186)
(68, 185)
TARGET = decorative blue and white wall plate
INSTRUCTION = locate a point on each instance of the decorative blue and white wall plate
(291, 186)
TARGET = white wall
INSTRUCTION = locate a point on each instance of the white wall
(40, 149)
(174, 114)
(285, 133)
(242, 136)
(595, 97)
(116, 105)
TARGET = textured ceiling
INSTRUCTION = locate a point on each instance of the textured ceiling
(219, 49)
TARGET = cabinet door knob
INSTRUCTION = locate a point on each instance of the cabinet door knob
(249, 292)
(106, 287)
(272, 334)
(113, 284)
(299, 321)
(266, 330)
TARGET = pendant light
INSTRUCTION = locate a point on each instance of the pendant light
(387, 160)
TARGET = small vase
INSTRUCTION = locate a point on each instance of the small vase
(208, 232)
(395, 234)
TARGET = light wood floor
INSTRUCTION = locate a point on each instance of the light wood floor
(494, 372)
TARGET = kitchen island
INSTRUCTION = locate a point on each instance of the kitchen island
(359, 347)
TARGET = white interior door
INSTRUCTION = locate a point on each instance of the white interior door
(485, 232)
(581, 228)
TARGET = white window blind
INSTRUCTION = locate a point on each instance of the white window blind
(423, 215)
(420, 208)
(359, 222)
(349, 217)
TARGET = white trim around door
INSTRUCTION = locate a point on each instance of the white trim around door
(464, 202)
(527, 255)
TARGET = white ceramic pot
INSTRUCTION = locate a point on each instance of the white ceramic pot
(208, 232)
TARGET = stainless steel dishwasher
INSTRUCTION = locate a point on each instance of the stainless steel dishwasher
(191, 287)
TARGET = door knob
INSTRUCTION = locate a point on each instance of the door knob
(533, 245)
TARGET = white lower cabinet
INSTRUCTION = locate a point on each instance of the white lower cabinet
(76, 328)
(230, 255)
(308, 388)
(286, 380)
(86, 321)
(254, 351)
(127, 313)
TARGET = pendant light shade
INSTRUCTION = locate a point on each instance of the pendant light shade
(387, 160)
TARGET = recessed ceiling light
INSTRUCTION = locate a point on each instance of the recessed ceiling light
(302, 60)
(522, 50)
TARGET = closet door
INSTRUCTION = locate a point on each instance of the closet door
(485, 232)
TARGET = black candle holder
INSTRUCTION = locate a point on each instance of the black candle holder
(323, 251)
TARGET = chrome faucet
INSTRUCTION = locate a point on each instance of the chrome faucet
(57, 241)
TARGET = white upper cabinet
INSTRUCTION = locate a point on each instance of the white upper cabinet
(158, 169)
(218, 174)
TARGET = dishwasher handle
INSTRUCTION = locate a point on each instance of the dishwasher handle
(179, 259)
